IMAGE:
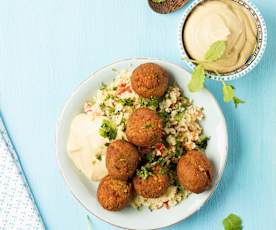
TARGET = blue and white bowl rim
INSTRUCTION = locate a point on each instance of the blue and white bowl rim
(252, 61)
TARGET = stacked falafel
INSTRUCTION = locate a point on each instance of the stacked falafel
(144, 130)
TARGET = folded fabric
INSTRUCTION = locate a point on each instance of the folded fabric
(18, 210)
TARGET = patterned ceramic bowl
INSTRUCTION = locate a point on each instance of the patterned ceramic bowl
(252, 61)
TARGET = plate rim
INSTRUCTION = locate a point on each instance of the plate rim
(91, 76)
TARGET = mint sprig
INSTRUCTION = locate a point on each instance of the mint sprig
(196, 84)
(198, 77)
(232, 222)
(229, 94)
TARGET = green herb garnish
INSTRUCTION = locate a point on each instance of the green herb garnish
(108, 129)
(229, 94)
(126, 101)
(103, 86)
(202, 141)
(151, 102)
(215, 52)
(232, 222)
(99, 157)
(149, 157)
(198, 77)
(178, 117)
(144, 173)
(102, 106)
(163, 170)
(148, 125)
(164, 115)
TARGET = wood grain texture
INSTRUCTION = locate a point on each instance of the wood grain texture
(48, 47)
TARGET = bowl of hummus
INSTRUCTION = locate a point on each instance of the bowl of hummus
(237, 22)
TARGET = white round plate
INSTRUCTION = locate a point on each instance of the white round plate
(85, 190)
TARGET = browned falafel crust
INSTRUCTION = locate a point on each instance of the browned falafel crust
(194, 171)
(114, 194)
(122, 159)
(144, 127)
(152, 187)
(149, 80)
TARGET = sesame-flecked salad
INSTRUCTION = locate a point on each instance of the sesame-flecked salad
(140, 141)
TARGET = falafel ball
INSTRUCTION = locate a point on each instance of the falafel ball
(114, 194)
(149, 80)
(144, 127)
(153, 186)
(122, 159)
(194, 171)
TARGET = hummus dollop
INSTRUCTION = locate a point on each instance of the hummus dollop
(86, 147)
(226, 20)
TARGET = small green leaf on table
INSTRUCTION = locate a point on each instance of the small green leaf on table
(197, 82)
(232, 222)
(237, 101)
(229, 94)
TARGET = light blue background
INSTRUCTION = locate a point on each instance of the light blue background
(48, 47)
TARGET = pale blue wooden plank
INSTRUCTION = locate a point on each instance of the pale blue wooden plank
(48, 47)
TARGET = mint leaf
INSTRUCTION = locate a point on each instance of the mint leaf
(215, 51)
(237, 101)
(228, 92)
(198, 77)
(232, 222)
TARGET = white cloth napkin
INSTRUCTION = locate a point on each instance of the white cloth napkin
(18, 210)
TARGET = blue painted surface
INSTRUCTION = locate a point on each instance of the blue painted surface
(48, 47)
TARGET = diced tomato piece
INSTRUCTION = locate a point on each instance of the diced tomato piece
(123, 88)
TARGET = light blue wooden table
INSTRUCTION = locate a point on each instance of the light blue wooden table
(48, 47)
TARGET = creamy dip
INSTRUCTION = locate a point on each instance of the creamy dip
(86, 147)
(226, 20)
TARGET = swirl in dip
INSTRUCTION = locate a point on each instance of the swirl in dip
(226, 20)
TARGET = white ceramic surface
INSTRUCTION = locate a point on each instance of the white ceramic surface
(85, 191)
(252, 61)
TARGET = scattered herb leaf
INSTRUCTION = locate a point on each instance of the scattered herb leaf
(152, 102)
(237, 101)
(144, 173)
(164, 115)
(108, 129)
(163, 170)
(126, 101)
(148, 125)
(178, 117)
(229, 94)
(198, 77)
(149, 157)
(215, 51)
(202, 142)
(103, 86)
(99, 157)
(232, 222)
